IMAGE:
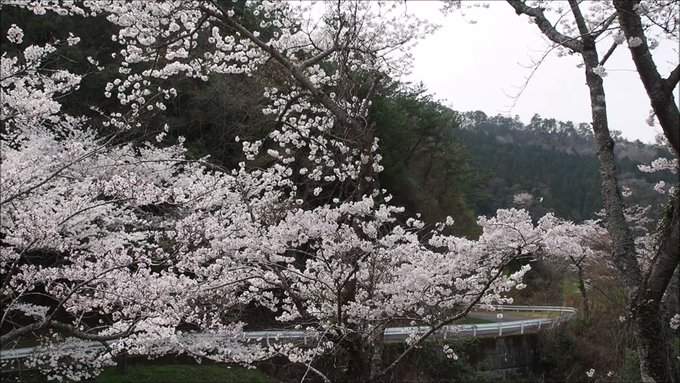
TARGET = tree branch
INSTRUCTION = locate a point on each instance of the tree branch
(371, 93)
(605, 25)
(660, 91)
(580, 20)
(293, 70)
(318, 57)
(609, 53)
(545, 26)
(667, 256)
(673, 78)
(73, 330)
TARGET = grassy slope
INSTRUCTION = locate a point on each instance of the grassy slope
(183, 373)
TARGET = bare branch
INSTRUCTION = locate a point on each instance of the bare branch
(371, 92)
(609, 53)
(605, 24)
(73, 330)
(317, 372)
(318, 57)
(546, 27)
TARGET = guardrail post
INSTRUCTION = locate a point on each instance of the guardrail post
(539, 324)
(500, 329)
(474, 331)
(522, 328)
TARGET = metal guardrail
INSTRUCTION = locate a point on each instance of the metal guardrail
(516, 327)
(392, 334)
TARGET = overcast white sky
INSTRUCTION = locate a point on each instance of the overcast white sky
(480, 67)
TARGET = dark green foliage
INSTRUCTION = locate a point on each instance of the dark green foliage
(160, 373)
(552, 160)
(95, 42)
(556, 362)
(630, 372)
(430, 364)
(210, 115)
(183, 373)
(426, 169)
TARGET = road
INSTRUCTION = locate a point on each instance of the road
(492, 316)
(517, 320)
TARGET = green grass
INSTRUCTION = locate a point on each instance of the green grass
(570, 285)
(182, 373)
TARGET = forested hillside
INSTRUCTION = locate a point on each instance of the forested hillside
(552, 160)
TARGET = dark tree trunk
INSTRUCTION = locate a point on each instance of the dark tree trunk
(619, 231)
(377, 352)
(655, 365)
(584, 292)
(659, 90)
(651, 345)
(646, 315)
(358, 367)
(655, 359)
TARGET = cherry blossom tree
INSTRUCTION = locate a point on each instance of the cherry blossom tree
(87, 231)
(139, 247)
(577, 246)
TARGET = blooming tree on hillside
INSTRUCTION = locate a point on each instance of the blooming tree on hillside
(577, 246)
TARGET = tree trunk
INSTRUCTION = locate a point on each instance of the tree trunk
(121, 363)
(377, 353)
(654, 365)
(623, 242)
(619, 231)
(659, 90)
(357, 368)
(584, 293)
(670, 305)
(656, 355)
(646, 315)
